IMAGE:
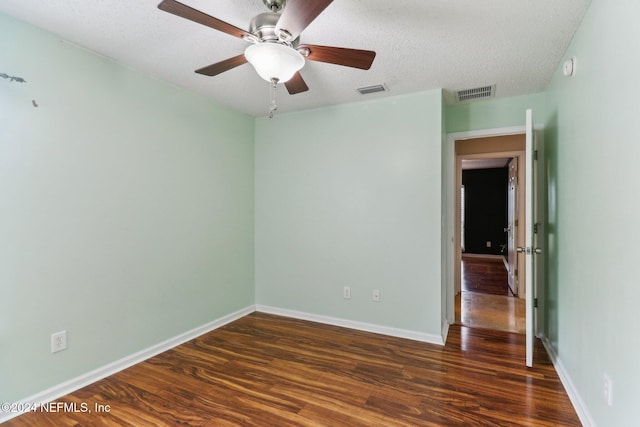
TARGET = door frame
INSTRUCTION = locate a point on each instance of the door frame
(449, 198)
(514, 213)
(519, 238)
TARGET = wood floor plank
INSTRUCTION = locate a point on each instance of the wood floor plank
(265, 370)
(488, 276)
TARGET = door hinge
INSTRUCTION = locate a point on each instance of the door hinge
(535, 154)
(535, 303)
(535, 227)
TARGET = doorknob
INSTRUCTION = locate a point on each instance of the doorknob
(528, 250)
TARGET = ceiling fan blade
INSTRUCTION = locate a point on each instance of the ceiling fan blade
(194, 15)
(355, 58)
(222, 66)
(297, 15)
(296, 84)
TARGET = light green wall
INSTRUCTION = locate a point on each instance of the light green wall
(593, 151)
(493, 113)
(351, 196)
(126, 211)
(591, 154)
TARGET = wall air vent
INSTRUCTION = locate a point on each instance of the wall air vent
(372, 89)
(476, 93)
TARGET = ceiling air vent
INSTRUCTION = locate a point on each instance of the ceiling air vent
(372, 89)
(475, 93)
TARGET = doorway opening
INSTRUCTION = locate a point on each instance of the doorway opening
(489, 224)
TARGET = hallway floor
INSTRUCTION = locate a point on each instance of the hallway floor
(486, 300)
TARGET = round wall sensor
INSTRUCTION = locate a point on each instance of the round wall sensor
(569, 68)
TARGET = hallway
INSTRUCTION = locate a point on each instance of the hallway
(486, 300)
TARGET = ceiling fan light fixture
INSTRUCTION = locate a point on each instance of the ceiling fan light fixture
(274, 61)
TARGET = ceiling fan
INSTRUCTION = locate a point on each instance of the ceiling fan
(275, 51)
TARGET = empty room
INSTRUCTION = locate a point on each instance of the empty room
(249, 213)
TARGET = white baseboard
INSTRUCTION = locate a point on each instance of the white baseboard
(84, 380)
(572, 392)
(351, 324)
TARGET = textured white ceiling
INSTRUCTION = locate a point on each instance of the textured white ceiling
(420, 45)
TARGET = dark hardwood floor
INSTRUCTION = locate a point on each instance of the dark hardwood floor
(486, 301)
(487, 276)
(265, 370)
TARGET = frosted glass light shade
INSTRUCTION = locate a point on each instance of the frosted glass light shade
(274, 61)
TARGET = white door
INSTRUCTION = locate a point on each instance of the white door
(530, 249)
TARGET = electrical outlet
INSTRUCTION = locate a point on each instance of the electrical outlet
(58, 341)
(607, 389)
(488, 244)
(346, 292)
(376, 295)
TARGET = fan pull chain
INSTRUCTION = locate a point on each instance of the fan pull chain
(273, 106)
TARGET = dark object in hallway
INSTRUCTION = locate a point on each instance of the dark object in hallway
(485, 209)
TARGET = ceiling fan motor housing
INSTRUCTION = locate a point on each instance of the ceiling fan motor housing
(263, 27)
